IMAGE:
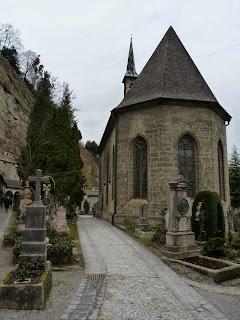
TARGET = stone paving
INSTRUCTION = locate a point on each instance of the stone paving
(138, 284)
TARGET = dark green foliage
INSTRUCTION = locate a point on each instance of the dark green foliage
(214, 224)
(16, 248)
(235, 244)
(92, 146)
(71, 215)
(160, 235)
(51, 231)
(86, 206)
(9, 239)
(232, 254)
(11, 55)
(234, 178)
(40, 114)
(60, 248)
(53, 143)
(215, 247)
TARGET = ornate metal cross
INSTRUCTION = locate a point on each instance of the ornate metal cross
(38, 179)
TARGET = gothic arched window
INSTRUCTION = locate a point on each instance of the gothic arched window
(186, 162)
(221, 171)
(140, 168)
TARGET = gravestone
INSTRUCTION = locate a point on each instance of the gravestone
(60, 221)
(143, 217)
(180, 240)
(28, 291)
(34, 247)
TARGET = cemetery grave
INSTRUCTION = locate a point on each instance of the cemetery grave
(30, 282)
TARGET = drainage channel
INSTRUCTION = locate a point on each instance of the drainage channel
(88, 299)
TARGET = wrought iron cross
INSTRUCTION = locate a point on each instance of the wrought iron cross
(38, 179)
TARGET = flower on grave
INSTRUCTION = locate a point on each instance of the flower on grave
(63, 233)
(54, 240)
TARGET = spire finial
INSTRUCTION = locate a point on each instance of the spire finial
(131, 70)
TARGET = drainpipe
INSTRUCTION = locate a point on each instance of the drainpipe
(115, 168)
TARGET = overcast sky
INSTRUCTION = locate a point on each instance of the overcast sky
(86, 43)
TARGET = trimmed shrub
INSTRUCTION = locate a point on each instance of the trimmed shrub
(160, 235)
(215, 247)
(214, 223)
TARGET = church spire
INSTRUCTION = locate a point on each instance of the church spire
(131, 74)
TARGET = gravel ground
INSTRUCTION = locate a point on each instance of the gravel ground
(223, 296)
(65, 284)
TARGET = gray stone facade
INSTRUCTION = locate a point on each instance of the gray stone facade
(162, 122)
(162, 126)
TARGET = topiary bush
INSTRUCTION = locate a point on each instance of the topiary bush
(214, 223)
(215, 247)
(160, 235)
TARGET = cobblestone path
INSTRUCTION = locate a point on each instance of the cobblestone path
(138, 284)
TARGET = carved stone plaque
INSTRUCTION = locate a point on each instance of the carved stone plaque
(183, 206)
(184, 224)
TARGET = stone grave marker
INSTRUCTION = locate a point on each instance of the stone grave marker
(34, 246)
(180, 240)
(24, 293)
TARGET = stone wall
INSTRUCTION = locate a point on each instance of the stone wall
(162, 126)
(107, 180)
(15, 103)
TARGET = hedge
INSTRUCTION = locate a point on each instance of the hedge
(214, 224)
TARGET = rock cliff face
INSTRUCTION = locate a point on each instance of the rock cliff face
(90, 168)
(15, 104)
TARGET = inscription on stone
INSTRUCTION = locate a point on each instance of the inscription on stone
(184, 224)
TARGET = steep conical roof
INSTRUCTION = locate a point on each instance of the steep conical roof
(169, 73)
(131, 70)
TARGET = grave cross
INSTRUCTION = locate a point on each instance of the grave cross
(38, 179)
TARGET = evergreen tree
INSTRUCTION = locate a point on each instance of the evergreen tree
(92, 146)
(11, 55)
(59, 153)
(53, 141)
(41, 112)
(234, 177)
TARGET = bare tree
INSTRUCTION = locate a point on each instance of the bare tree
(9, 37)
(31, 68)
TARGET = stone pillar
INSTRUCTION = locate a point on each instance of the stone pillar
(180, 240)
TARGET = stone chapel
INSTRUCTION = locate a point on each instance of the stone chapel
(168, 124)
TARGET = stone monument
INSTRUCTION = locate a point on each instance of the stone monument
(180, 240)
(33, 274)
(34, 247)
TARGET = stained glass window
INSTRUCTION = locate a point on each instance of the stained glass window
(221, 171)
(186, 162)
(140, 168)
